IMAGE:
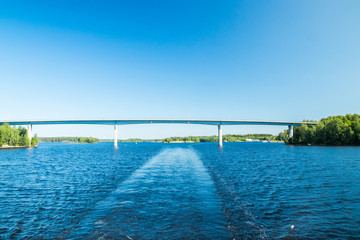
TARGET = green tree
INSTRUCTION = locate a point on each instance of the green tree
(310, 135)
(24, 141)
(34, 140)
(2, 136)
(14, 137)
(22, 131)
(282, 136)
(300, 134)
(355, 126)
(6, 133)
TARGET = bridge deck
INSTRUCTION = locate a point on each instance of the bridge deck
(155, 121)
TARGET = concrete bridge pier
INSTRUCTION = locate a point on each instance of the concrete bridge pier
(291, 131)
(115, 137)
(220, 135)
(29, 132)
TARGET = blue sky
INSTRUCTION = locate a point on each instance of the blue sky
(243, 60)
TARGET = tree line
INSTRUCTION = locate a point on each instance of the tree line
(226, 138)
(69, 139)
(333, 130)
(12, 136)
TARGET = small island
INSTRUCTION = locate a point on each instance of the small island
(12, 137)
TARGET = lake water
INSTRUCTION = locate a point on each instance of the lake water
(180, 191)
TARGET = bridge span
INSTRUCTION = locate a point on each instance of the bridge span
(116, 122)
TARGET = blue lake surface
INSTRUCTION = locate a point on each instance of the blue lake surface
(180, 191)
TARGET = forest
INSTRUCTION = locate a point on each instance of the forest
(333, 130)
(15, 137)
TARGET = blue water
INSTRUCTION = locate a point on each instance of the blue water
(179, 191)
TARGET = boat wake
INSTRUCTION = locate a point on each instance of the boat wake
(171, 196)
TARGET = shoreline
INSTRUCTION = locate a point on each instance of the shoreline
(16, 147)
(320, 145)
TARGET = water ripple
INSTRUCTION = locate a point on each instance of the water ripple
(177, 191)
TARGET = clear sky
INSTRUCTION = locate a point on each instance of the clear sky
(243, 60)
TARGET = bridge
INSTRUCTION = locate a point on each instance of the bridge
(116, 122)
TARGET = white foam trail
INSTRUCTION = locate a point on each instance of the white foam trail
(168, 163)
(165, 190)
